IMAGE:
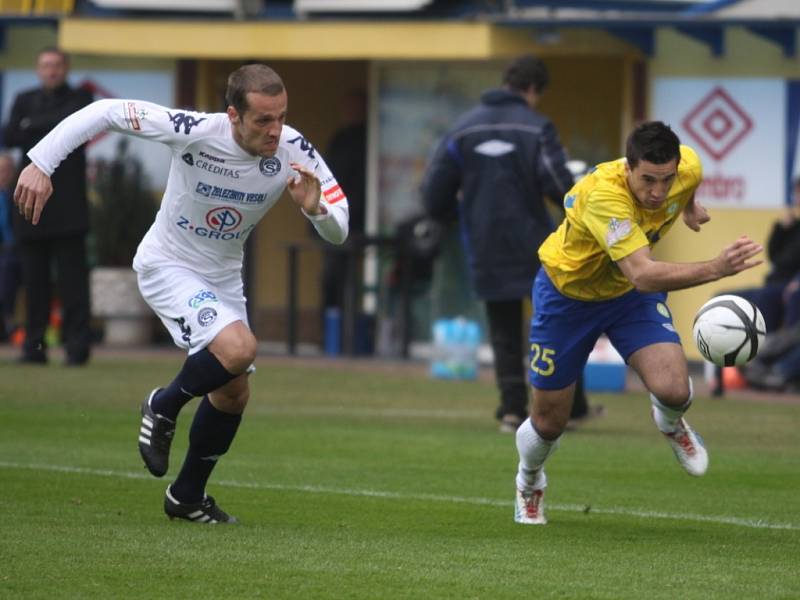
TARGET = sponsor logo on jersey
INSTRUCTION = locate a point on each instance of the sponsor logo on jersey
(617, 229)
(229, 195)
(269, 166)
(211, 157)
(305, 145)
(333, 195)
(184, 120)
(132, 116)
(202, 297)
(188, 159)
(221, 224)
(223, 218)
(206, 316)
(216, 169)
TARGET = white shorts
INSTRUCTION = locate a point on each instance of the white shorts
(193, 308)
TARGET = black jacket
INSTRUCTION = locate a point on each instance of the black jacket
(783, 250)
(504, 158)
(34, 113)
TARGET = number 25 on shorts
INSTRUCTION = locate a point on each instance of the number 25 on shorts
(542, 360)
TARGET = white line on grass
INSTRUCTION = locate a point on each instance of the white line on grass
(341, 411)
(631, 512)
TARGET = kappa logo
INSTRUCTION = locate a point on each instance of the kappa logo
(184, 120)
(270, 166)
(188, 159)
(305, 145)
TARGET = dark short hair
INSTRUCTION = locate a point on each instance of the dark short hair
(654, 142)
(526, 71)
(251, 78)
(53, 50)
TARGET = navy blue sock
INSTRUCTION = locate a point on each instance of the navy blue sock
(201, 373)
(210, 437)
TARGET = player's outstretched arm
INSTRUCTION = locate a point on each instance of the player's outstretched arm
(32, 192)
(649, 275)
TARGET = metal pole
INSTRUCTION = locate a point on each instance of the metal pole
(291, 299)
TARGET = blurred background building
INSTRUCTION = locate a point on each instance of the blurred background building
(724, 73)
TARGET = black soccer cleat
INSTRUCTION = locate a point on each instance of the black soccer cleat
(205, 511)
(155, 437)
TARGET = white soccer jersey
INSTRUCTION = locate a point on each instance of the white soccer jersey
(216, 192)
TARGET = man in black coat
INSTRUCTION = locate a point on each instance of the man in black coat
(494, 168)
(60, 237)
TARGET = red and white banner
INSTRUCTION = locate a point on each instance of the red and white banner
(738, 127)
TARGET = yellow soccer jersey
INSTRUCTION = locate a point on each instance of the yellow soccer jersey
(605, 223)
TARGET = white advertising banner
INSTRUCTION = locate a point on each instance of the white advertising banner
(154, 86)
(738, 127)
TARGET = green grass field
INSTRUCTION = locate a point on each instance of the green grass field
(353, 484)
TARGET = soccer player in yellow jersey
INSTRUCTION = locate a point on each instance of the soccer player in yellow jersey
(598, 276)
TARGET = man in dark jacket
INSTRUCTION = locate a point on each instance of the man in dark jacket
(60, 237)
(503, 157)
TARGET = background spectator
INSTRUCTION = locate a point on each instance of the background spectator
(59, 240)
(494, 169)
(9, 261)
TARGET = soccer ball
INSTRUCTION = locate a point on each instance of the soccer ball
(729, 330)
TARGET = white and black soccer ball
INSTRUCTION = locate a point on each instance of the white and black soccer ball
(729, 330)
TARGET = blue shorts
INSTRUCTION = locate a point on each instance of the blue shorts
(564, 331)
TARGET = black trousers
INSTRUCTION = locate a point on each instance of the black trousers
(66, 256)
(509, 343)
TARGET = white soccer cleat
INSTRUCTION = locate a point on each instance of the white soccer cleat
(688, 448)
(529, 507)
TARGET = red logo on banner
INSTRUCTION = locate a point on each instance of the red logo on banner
(717, 124)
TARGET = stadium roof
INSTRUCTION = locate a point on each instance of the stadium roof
(476, 28)
(550, 10)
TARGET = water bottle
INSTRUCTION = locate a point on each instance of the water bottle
(440, 357)
(470, 341)
(333, 331)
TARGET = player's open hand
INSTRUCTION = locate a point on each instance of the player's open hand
(305, 189)
(695, 215)
(32, 192)
(737, 257)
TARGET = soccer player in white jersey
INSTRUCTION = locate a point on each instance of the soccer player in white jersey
(227, 170)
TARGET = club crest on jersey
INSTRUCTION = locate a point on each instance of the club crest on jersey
(617, 229)
(269, 166)
(206, 316)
